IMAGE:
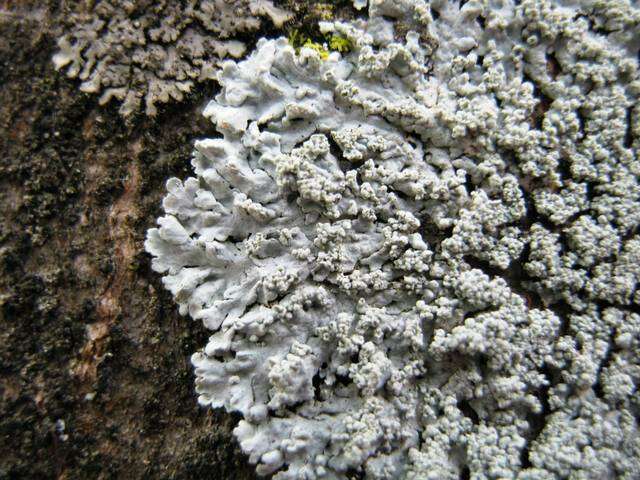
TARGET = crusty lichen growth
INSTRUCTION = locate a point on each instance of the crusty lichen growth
(144, 53)
(420, 259)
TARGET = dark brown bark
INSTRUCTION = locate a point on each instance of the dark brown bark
(95, 378)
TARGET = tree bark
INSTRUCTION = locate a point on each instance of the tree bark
(95, 380)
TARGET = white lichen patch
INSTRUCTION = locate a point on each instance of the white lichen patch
(147, 52)
(420, 259)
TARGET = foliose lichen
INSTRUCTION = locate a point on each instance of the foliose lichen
(420, 259)
(146, 52)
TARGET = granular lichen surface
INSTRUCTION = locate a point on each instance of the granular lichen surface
(418, 258)
(143, 53)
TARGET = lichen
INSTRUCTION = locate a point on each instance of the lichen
(419, 259)
(147, 53)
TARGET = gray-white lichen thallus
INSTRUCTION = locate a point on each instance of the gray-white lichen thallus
(419, 259)
(147, 52)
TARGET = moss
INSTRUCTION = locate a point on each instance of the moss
(321, 49)
(327, 44)
(338, 43)
(324, 11)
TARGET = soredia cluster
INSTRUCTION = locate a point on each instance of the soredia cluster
(420, 259)
(150, 51)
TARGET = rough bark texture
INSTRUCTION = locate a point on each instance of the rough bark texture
(95, 378)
